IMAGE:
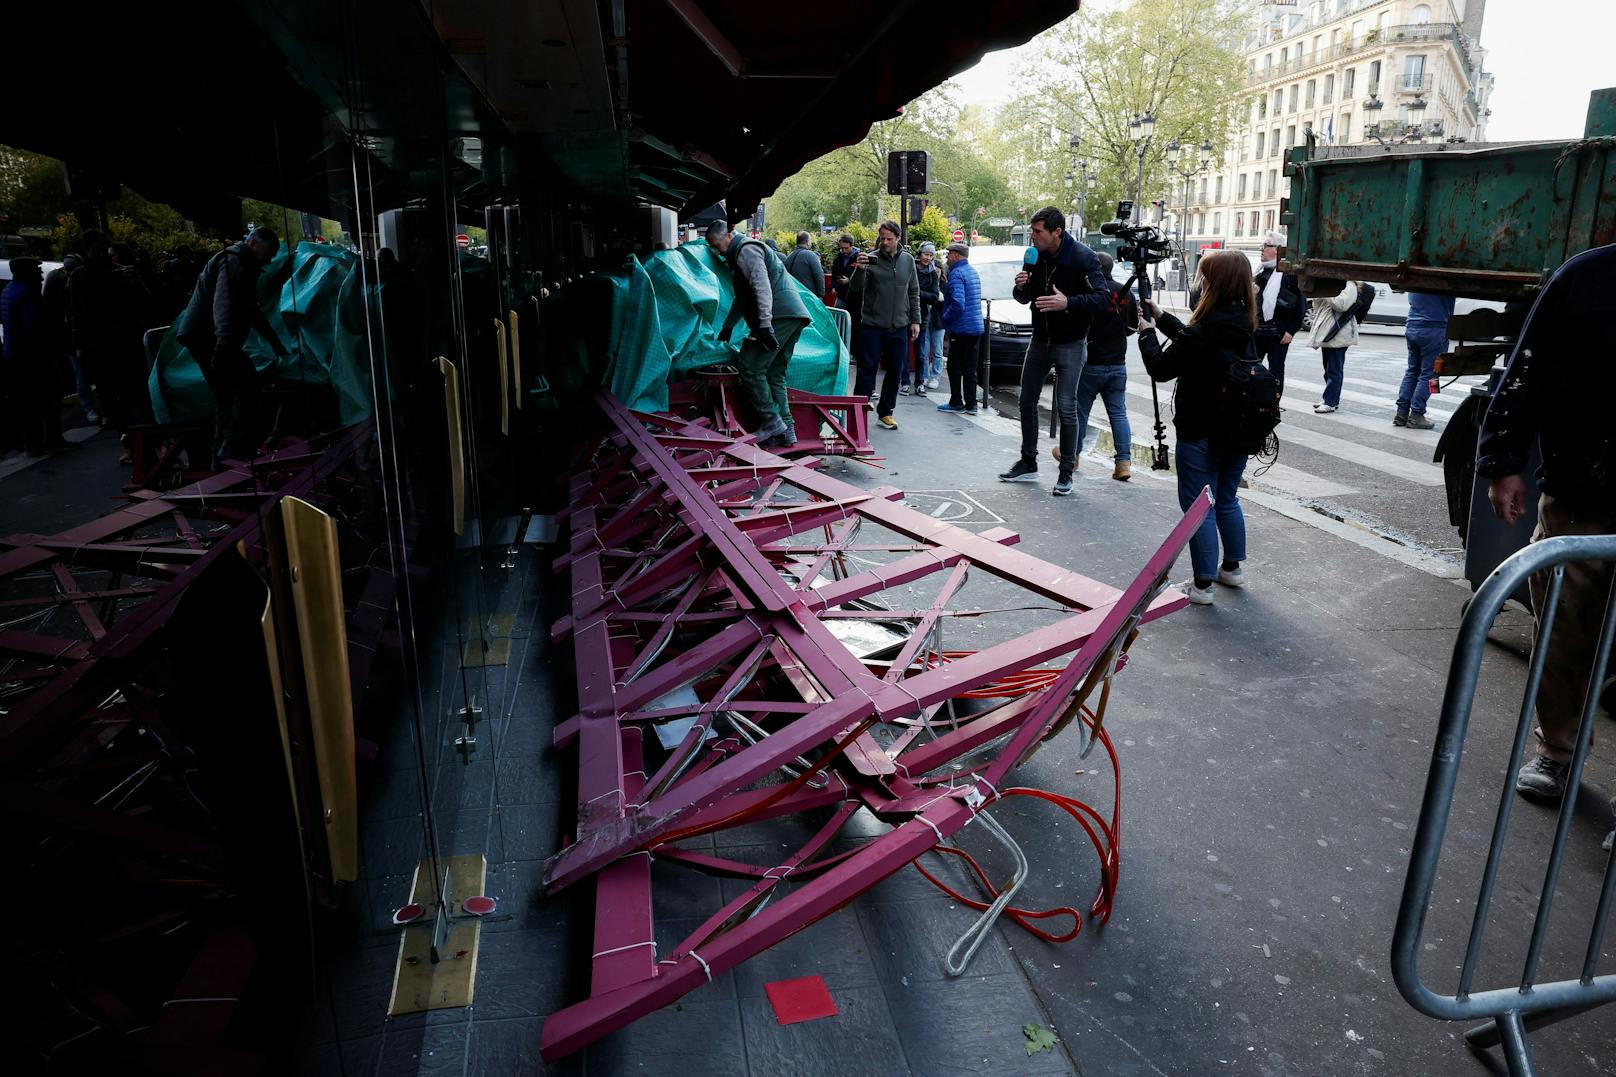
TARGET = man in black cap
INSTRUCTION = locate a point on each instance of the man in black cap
(222, 311)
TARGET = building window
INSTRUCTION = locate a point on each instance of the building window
(1256, 186)
(1219, 198)
(1279, 102)
(1374, 78)
(1273, 183)
(1312, 92)
(1290, 135)
(1273, 142)
(1200, 223)
(1343, 132)
(1241, 188)
(1329, 88)
(1259, 143)
(1202, 199)
(1421, 16)
(1268, 220)
(1262, 107)
(1240, 224)
(1284, 55)
(1347, 80)
(1296, 91)
(1217, 223)
(1268, 63)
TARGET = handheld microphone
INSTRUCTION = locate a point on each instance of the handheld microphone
(1029, 259)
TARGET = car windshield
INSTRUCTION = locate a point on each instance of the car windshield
(998, 278)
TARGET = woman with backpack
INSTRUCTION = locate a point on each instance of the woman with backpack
(1335, 329)
(1208, 357)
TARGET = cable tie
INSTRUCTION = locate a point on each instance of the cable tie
(933, 826)
(620, 949)
(704, 966)
(996, 794)
(603, 796)
(789, 868)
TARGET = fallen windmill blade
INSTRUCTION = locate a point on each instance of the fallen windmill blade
(716, 691)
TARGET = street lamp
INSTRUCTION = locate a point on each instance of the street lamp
(821, 222)
(1140, 128)
(1196, 160)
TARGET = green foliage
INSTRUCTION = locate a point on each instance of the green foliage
(1098, 69)
(68, 236)
(933, 228)
(33, 191)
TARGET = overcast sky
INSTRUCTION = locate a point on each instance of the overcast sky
(1546, 55)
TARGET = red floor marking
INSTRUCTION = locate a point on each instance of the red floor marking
(803, 999)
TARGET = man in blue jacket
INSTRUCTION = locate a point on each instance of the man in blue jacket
(28, 373)
(1066, 289)
(962, 320)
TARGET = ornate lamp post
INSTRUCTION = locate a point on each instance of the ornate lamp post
(1140, 130)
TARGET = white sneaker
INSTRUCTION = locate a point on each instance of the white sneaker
(932, 384)
(1322, 408)
(1199, 596)
(1235, 578)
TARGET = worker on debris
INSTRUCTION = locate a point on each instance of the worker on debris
(767, 298)
(214, 329)
(1556, 393)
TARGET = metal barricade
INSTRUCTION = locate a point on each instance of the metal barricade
(1510, 1011)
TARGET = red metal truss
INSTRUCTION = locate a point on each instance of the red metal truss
(825, 425)
(713, 585)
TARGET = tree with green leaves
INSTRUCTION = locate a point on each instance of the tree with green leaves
(1183, 63)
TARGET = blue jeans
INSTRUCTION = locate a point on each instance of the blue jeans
(1335, 372)
(1067, 359)
(1200, 465)
(1424, 345)
(882, 350)
(1110, 382)
(929, 356)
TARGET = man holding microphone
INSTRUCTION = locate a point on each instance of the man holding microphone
(1066, 288)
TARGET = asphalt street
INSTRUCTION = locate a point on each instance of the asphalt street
(1352, 466)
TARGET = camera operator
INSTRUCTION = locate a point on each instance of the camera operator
(1279, 316)
(1066, 289)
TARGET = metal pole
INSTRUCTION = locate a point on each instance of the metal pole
(1139, 184)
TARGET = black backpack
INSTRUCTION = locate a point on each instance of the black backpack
(1357, 312)
(1248, 404)
(1361, 305)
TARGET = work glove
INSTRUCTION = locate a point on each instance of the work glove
(766, 337)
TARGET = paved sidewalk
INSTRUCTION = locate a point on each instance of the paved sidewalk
(1274, 749)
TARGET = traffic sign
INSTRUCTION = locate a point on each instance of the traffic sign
(959, 235)
(462, 241)
(998, 222)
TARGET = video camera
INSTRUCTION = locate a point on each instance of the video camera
(1144, 243)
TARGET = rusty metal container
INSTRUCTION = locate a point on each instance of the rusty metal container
(1489, 220)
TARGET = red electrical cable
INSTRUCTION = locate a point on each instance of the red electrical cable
(1107, 847)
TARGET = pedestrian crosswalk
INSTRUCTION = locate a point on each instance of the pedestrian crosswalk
(1353, 451)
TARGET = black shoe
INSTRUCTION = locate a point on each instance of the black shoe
(1400, 419)
(1023, 471)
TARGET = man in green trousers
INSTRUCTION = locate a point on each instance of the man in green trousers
(766, 296)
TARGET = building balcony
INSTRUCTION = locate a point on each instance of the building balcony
(1414, 83)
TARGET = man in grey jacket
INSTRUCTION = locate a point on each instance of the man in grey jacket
(888, 284)
(775, 317)
(803, 263)
(222, 311)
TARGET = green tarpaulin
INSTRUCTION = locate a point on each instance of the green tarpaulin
(314, 299)
(648, 324)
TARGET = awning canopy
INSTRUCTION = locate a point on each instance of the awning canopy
(681, 103)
